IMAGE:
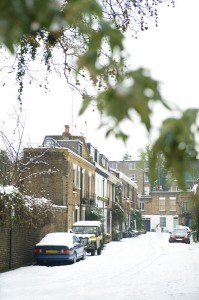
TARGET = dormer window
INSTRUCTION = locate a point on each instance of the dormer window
(49, 143)
(80, 149)
(103, 162)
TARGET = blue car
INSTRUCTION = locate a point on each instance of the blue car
(59, 248)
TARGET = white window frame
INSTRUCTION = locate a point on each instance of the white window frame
(142, 205)
(83, 181)
(89, 182)
(78, 176)
(163, 224)
(114, 165)
(134, 177)
(162, 199)
(74, 175)
(172, 203)
(132, 165)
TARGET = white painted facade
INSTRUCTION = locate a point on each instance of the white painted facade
(170, 220)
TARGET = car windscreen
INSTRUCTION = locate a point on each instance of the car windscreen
(85, 229)
(180, 231)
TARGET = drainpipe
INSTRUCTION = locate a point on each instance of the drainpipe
(81, 193)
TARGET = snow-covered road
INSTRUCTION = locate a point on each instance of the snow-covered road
(147, 267)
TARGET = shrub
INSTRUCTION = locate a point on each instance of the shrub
(94, 214)
(23, 210)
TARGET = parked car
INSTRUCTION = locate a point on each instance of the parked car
(179, 235)
(90, 233)
(186, 228)
(59, 247)
(134, 233)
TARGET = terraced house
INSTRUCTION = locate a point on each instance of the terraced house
(61, 170)
(74, 174)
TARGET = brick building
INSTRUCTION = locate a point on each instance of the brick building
(76, 175)
(167, 208)
(65, 176)
(136, 172)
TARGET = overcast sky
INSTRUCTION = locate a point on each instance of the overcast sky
(169, 51)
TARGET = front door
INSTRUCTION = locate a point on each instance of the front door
(147, 224)
(175, 222)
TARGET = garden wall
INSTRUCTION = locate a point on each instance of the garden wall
(17, 243)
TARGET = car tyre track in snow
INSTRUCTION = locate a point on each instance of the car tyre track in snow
(145, 267)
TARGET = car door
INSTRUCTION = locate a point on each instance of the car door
(77, 246)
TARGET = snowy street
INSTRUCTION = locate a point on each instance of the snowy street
(146, 267)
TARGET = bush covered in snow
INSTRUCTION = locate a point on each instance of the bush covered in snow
(137, 217)
(118, 214)
(94, 213)
(23, 210)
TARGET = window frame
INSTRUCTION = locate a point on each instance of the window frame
(163, 222)
(162, 207)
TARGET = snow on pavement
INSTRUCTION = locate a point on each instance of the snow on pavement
(146, 267)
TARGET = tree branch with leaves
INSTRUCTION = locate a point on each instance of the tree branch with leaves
(83, 40)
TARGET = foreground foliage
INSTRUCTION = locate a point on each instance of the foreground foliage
(83, 40)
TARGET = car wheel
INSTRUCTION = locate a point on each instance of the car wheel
(99, 251)
(84, 255)
(92, 252)
(74, 258)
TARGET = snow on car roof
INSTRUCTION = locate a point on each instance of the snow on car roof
(87, 223)
(57, 239)
(182, 226)
(179, 229)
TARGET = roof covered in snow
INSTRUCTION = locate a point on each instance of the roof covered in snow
(87, 223)
(57, 239)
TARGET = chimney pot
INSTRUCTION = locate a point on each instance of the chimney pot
(67, 128)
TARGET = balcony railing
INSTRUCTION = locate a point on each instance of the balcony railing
(88, 199)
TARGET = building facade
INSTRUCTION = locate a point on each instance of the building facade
(167, 208)
(61, 176)
(72, 173)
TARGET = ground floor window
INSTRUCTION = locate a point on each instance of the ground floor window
(162, 221)
(184, 206)
(76, 215)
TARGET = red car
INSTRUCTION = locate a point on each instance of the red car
(179, 235)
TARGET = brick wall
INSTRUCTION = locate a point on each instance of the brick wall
(17, 244)
(153, 206)
(44, 177)
(50, 175)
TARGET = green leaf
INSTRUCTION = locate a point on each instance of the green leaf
(177, 143)
(85, 104)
